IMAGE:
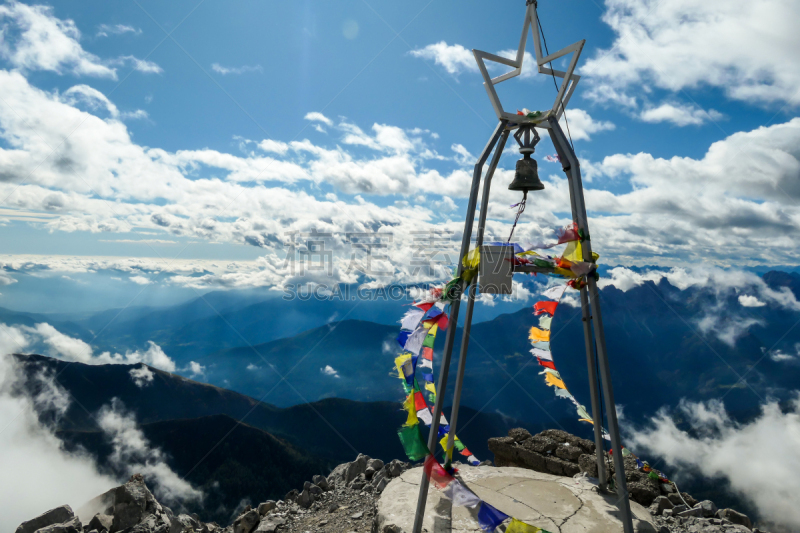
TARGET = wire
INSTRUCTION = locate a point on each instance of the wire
(561, 102)
(520, 209)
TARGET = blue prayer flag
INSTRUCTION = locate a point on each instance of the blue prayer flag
(489, 517)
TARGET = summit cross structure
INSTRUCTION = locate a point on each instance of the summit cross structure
(596, 354)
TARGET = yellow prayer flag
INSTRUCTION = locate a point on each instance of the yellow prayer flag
(564, 272)
(539, 335)
(408, 405)
(517, 526)
(398, 361)
(430, 387)
(433, 329)
(472, 260)
(552, 380)
(443, 443)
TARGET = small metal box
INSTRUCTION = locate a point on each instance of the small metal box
(496, 269)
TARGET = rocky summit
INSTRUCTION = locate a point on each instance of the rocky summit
(344, 501)
(347, 500)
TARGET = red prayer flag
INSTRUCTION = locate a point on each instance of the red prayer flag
(427, 353)
(548, 364)
(443, 321)
(568, 233)
(540, 308)
(465, 452)
(425, 306)
(436, 473)
(419, 401)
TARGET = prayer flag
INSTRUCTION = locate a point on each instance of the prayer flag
(538, 335)
(545, 307)
(473, 460)
(425, 415)
(489, 517)
(427, 377)
(542, 354)
(545, 363)
(427, 353)
(425, 306)
(568, 233)
(461, 495)
(555, 293)
(402, 338)
(419, 401)
(436, 473)
(430, 387)
(443, 321)
(399, 361)
(545, 321)
(516, 526)
(430, 338)
(411, 319)
(426, 364)
(414, 342)
(554, 381)
(412, 442)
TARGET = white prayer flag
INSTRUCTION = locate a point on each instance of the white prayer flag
(555, 293)
(473, 460)
(424, 363)
(460, 495)
(415, 340)
(425, 416)
(547, 355)
(411, 319)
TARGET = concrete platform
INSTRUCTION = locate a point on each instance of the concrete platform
(554, 503)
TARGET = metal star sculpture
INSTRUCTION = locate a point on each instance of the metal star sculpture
(568, 84)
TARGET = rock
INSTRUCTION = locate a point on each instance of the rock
(333, 507)
(679, 509)
(357, 516)
(708, 508)
(53, 516)
(394, 468)
(131, 502)
(359, 482)
(73, 525)
(519, 434)
(588, 463)
(246, 522)
(660, 504)
(321, 482)
(336, 477)
(268, 506)
(381, 485)
(689, 500)
(643, 493)
(562, 436)
(487, 462)
(569, 453)
(694, 511)
(540, 444)
(291, 495)
(675, 499)
(184, 524)
(735, 517)
(313, 489)
(101, 522)
(304, 500)
(356, 468)
(667, 488)
(666, 513)
(369, 472)
(375, 464)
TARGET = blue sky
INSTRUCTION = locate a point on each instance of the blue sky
(181, 143)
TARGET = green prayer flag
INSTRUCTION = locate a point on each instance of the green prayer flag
(429, 340)
(415, 447)
(459, 445)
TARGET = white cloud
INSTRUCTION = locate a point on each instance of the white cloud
(140, 65)
(758, 458)
(104, 30)
(454, 58)
(684, 45)
(582, 125)
(141, 376)
(244, 69)
(132, 453)
(195, 369)
(33, 38)
(328, 370)
(45, 475)
(747, 300)
(140, 280)
(679, 114)
(63, 346)
(252, 368)
(315, 116)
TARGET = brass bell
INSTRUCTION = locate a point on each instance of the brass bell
(527, 176)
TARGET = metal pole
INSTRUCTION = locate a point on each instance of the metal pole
(462, 358)
(451, 331)
(594, 392)
(573, 167)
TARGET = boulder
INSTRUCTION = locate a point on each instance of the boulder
(336, 477)
(487, 462)
(375, 464)
(321, 482)
(268, 506)
(359, 482)
(381, 485)
(394, 468)
(291, 495)
(643, 493)
(53, 516)
(356, 468)
(73, 525)
(133, 501)
(660, 504)
(369, 472)
(561, 436)
(708, 508)
(735, 517)
(519, 434)
(184, 524)
(540, 444)
(304, 500)
(313, 489)
(101, 522)
(569, 452)
(588, 463)
(247, 521)
(675, 499)
(691, 502)
(694, 512)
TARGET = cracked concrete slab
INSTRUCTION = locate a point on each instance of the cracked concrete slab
(554, 503)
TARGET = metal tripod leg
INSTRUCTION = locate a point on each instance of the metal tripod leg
(451, 331)
(462, 358)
